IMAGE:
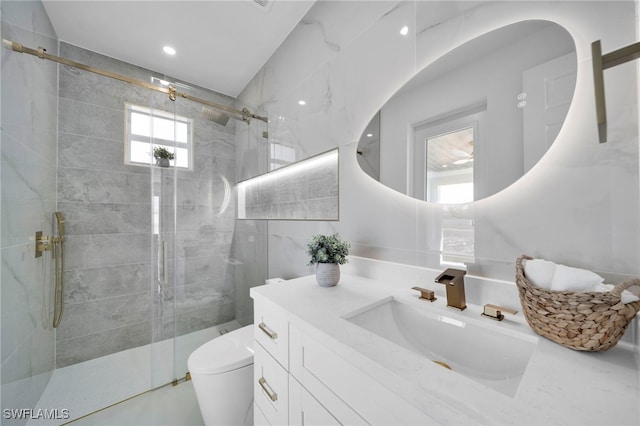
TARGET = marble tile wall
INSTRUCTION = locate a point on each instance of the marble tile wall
(250, 236)
(114, 298)
(307, 191)
(579, 205)
(28, 200)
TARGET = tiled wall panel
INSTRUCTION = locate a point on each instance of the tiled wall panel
(28, 200)
(306, 190)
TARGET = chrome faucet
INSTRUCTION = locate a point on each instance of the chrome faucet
(453, 279)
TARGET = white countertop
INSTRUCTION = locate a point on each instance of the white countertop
(559, 386)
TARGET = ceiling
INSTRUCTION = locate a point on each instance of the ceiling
(220, 44)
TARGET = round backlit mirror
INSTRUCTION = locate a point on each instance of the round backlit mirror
(476, 120)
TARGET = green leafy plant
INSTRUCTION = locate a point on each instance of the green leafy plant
(328, 249)
(160, 152)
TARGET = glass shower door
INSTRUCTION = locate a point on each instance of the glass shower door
(203, 266)
(192, 232)
(164, 133)
(204, 281)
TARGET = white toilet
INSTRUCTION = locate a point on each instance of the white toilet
(222, 375)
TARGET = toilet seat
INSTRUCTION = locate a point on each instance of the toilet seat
(223, 354)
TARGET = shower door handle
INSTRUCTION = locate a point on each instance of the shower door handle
(165, 270)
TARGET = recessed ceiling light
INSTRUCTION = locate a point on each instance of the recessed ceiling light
(169, 50)
(302, 102)
(369, 135)
(404, 30)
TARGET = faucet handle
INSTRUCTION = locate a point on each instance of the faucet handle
(425, 294)
(495, 312)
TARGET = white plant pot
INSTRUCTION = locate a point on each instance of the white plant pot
(162, 162)
(327, 274)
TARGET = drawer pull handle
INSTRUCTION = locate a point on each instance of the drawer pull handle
(265, 387)
(272, 334)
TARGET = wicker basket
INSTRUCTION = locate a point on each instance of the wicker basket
(590, 321)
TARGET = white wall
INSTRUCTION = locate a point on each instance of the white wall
(579, 205)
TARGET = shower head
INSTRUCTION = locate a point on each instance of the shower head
(215, 116)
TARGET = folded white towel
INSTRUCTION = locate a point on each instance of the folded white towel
(552, 276)
(625, 297)
(566, 278)
(540, 272)
(628, 297)
(602, 287)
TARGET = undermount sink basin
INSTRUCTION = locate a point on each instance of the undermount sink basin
(496, 359)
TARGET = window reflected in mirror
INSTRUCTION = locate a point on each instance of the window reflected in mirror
(443, 168)
(450, 167)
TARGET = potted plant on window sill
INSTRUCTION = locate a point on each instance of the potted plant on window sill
(162, 156)
(327, 252)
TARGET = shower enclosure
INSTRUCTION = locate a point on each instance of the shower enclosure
(155, 262)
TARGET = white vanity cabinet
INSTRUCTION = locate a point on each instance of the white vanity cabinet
(271, 330)
(271, 389)
(320, 367)
(271, 365)
(304, 409)
(309, 384)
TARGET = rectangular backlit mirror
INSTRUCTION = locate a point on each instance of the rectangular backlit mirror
(305, 190)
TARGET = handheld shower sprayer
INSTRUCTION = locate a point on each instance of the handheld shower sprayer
(60, 221)
(58, 258)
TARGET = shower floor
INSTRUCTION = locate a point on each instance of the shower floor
(167, 406)
(98, 383)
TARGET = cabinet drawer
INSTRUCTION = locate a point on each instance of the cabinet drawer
(305, 410)
(271, 387)
(271, 330)
(258, 418)
(351, 395)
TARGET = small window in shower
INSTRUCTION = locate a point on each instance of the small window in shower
(148, 128)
